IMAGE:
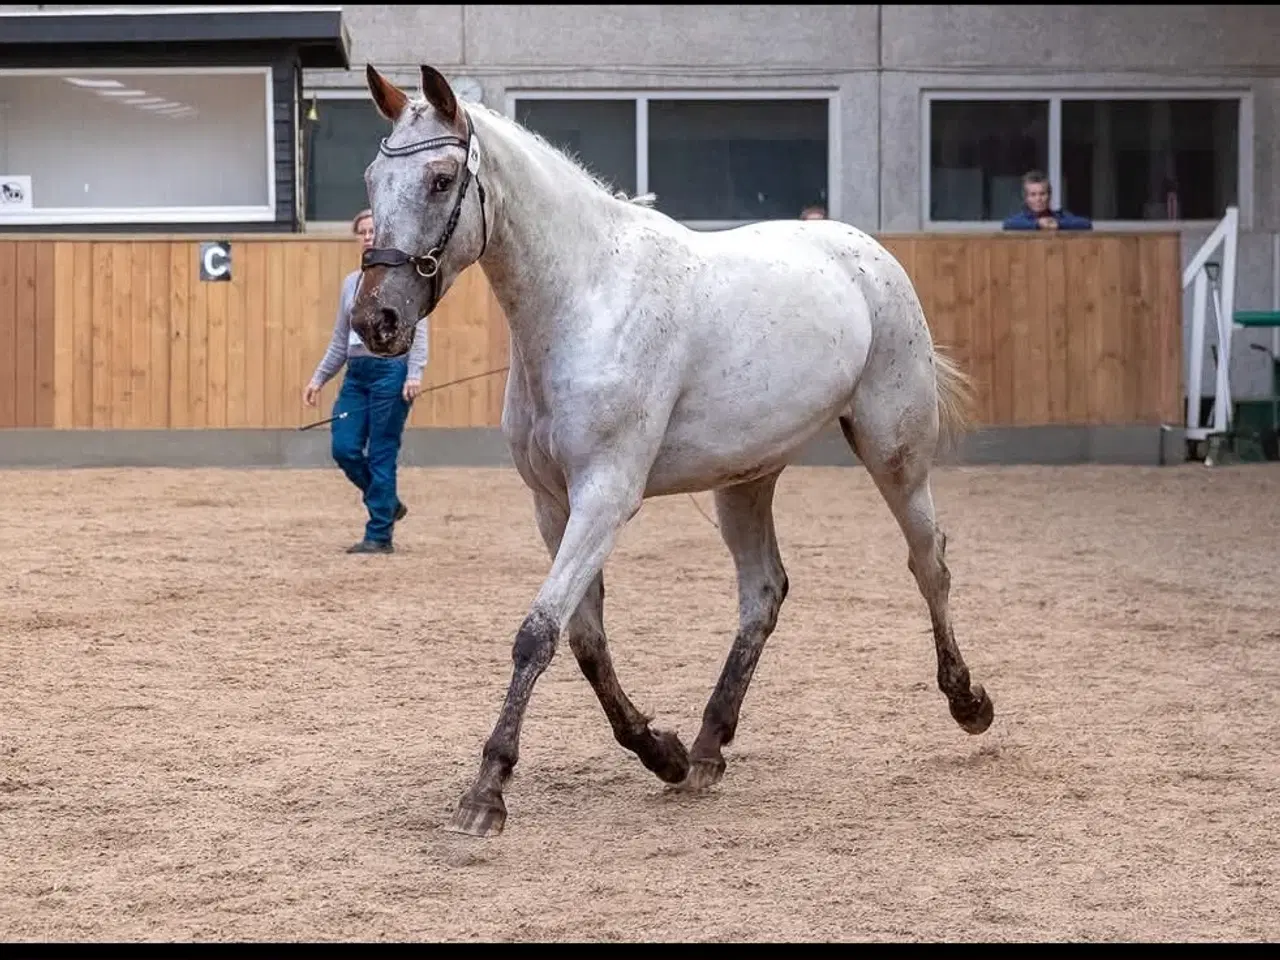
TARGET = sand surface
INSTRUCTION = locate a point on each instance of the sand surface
(215, 725)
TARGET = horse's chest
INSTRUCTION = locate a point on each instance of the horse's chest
(556, 436)
(566, 411)
(529, 433)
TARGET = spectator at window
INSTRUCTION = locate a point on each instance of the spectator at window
(814, 212)
(1037, 212)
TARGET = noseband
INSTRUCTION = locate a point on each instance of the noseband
(428, 264)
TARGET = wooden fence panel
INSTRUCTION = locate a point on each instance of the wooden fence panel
(122, 332)
(1072, 329)
(8, 333)
(1057, 334)
(45, 330)
(252, 267)
(156, 339)
(23, 343)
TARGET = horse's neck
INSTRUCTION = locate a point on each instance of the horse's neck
(548, 224)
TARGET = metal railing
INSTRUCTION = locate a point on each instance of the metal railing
(1212, 282)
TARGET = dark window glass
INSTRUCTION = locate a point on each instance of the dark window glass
(978, 153)
(738, 159)
(600, 134)
(341, 144)
(1150, 159)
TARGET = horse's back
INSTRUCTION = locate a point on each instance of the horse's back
(814, 271)
(810, 292)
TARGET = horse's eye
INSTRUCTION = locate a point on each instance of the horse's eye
(441, 182)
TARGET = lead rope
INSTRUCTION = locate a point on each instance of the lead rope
(431, 389)
(698, 507)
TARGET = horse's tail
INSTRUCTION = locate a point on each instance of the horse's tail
(955, 398)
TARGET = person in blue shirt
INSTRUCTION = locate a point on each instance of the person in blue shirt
(1037, 212)
(371, 409)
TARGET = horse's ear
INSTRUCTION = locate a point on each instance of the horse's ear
(438, 93)
(387, 97)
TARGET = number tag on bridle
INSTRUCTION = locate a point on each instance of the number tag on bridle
(473, 155)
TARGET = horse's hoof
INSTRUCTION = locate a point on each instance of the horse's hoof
(975, 713)
(477, 818)
(670, 761)
(702, 775)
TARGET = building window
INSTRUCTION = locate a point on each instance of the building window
(738, 160)
(1151, 159)
(138, 146)
(978, 152)
(1121, 159)
(600, 134)
(713, 159)
(341, 142)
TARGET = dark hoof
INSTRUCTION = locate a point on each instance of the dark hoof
(371, 546)
(975, 712)
(401, 512)
(702, 775)
(476, 818)
(666, 756)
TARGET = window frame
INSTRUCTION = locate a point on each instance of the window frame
(1054, 99)
(75, 216)
(641, 99)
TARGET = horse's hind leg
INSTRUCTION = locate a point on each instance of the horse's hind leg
(897, 451)
(660, 751)
(746, 525)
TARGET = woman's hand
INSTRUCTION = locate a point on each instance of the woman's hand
(411, 389)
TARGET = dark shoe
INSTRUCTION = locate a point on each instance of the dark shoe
(372, 546)
(401, 512)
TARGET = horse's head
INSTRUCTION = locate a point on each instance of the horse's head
(428, 211)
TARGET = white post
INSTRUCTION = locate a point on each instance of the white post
(1194, 275)
(1206, 249)
(1195, 374)
(1224, 413)
(1222, 371)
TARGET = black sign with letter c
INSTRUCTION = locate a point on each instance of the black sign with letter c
(215, 261)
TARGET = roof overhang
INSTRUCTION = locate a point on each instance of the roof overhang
(317, 33)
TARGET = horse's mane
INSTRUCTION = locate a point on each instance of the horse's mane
(560, 158)
(643, 200)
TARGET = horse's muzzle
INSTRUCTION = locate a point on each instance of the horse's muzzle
(383, 334)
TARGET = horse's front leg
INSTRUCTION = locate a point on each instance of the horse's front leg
(659, 750)
(601, 501)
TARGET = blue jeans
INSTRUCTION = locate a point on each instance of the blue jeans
(376, 412)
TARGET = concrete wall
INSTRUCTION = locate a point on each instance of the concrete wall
(486, 447)
(879, 58)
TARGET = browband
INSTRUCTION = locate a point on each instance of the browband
(418, 146)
